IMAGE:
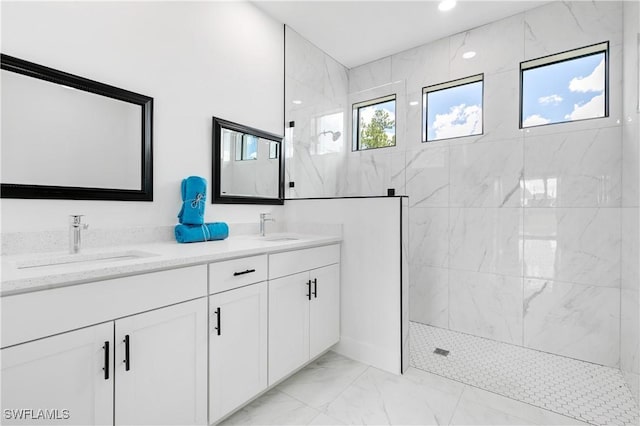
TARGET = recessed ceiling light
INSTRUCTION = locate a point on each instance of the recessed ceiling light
(413, 103)
(468, 55)
(445, 5)
(297, 102)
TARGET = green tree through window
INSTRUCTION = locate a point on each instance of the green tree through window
(376, 133)
(374, 123)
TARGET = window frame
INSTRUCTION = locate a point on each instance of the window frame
(243, 145)
(444, 86)
(355, 115)
(565, 56)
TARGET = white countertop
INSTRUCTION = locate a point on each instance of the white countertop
(161, 256)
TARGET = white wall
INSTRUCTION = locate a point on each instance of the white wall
(373, 329)
(196, 59)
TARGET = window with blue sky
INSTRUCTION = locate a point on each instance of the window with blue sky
(374, 123)
(565, 87)
(246, 147)
(453, 109)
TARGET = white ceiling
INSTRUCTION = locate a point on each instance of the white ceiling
(357, 32)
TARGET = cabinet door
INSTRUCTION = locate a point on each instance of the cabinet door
(63, 372)
(288, 325)
(237, 348)
(161, 366)
(324, 309)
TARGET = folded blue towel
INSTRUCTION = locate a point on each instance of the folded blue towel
(198, 233)
(194, 196)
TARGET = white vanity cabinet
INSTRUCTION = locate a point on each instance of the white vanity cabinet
(161, 366)
(63, 372)
(146, 366)
(304, 307)
(237, 333)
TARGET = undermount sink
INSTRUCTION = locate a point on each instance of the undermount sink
(81, 259)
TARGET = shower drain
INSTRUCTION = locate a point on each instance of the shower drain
(442, 352)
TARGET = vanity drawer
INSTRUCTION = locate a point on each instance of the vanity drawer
(292, 262)
(43, 313)
(235, 273)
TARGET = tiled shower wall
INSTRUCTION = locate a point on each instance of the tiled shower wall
(489, 254)
(630, 296)
(318, 85)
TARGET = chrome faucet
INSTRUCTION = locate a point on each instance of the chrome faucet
(265, 217)
(75, 232)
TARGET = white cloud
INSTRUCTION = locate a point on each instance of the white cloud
(593, 108)
(534, 120)
(551, 99)
(461, 120)
(594, 82)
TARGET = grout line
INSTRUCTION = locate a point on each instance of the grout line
(324, 411)
(455, 409)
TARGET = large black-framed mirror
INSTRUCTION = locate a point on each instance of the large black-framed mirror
(247, 165)
(68, 137)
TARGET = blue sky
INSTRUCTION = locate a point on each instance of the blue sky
(454, 112)
(565, 91)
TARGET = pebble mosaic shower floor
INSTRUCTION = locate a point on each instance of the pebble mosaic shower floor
(588, 392)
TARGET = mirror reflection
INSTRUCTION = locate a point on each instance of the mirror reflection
(247, 165)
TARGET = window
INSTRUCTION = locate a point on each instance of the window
(273, 150)
(374, 123)
(565, 87)
(453, 109)
(246, 147)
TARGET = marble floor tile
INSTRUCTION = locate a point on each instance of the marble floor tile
(324, 420)
(323, 380)
(273, 408)
(379, 398)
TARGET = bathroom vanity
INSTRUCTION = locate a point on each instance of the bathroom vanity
(170, 334)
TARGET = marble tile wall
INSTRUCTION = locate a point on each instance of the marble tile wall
(491, 254)
(316, 88)
(630, 276)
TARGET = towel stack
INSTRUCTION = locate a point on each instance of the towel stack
(191, 216)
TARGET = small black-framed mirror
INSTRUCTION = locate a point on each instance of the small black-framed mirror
(247, 165)
(68, 137)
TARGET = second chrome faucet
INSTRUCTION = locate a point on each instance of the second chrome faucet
(265, 217)
(75, 232)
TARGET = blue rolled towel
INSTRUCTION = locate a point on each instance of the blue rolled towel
(204, 232)
(194, 196)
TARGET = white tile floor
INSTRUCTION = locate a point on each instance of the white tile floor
(335, 390)
(584, 391)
